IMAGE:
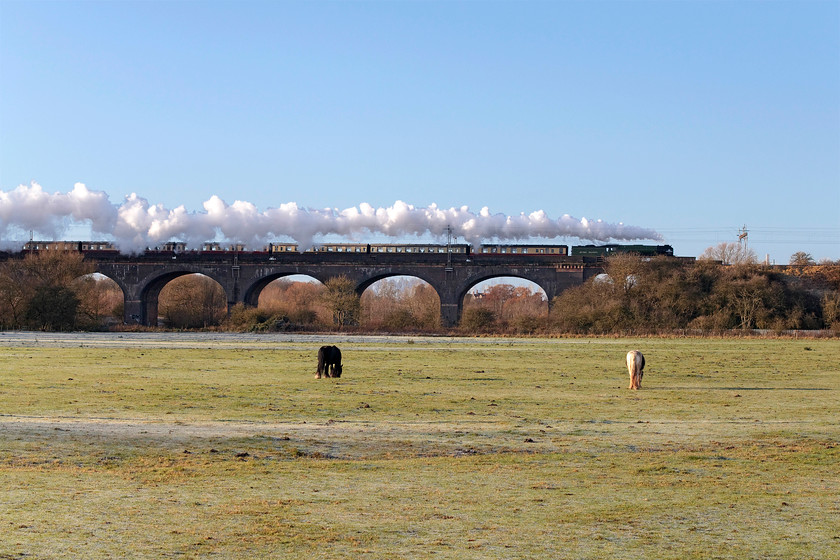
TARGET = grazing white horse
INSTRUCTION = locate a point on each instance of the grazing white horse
(636, 367)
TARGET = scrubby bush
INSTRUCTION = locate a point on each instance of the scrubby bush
(246, 319)
(52, 308)
(400, 320)
(528, 324)
(192, 301)
(665, 295)
(476, 320)
(40, 291)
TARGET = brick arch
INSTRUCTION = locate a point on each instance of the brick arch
(479, 278)
(251, 294)
(148, 291)
(376, 277)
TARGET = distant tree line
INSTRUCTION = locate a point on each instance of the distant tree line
(57, 291)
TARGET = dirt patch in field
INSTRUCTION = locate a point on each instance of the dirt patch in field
(331, 439)
(362, 440)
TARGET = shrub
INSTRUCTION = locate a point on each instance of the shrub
(528, 324)
(478, 320)
(52, 308)
(399, 320)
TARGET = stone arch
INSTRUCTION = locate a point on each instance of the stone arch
(100, 294)
(367, 282)
(149, 290)
(474, 282)
(116, 279)
(400, 314)
(476, 279)
(251, 297)
(517, 303)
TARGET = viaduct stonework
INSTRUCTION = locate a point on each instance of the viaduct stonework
(243, 275)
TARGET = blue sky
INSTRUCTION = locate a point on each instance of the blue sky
(691, 118)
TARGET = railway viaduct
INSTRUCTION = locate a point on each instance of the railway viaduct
(243, 275)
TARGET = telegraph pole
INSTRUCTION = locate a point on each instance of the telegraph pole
(742, 237)
(448, 249)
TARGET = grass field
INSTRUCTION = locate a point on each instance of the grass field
(446, 448)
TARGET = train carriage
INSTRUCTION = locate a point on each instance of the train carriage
(555, 250)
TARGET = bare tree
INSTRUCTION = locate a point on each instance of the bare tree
(339, 296)
(525, 303)
(495, 298)
(15, 292)
(624, 270)
(400, 304)
(801, 258)
(831, 310)
(424, 303)
(730, 253)
(747, 302)
(100, 298)
(299, 302)
(56, 268)
(193, 301)
(38, 290)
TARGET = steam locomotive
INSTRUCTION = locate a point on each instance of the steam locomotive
(607, 250)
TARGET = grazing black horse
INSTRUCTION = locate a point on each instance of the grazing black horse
(329, 362)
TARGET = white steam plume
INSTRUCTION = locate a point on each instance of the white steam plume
(137, 224)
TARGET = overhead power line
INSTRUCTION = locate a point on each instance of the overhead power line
(757, 234)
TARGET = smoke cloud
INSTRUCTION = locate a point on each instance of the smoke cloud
(136, 224)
